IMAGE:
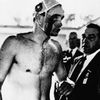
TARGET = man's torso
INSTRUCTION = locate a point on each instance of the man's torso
(31, 71)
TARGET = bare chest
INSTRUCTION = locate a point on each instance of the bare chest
(37, 59)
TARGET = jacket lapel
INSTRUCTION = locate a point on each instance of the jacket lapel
(90, 67)
(77, 53)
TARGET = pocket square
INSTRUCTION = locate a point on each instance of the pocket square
(86, 76)
(85, 80)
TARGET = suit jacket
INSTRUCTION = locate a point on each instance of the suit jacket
(70, 61)
(88, 85)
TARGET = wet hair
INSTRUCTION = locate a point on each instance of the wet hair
(92, 25)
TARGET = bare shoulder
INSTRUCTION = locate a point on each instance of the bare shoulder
(9, 43)
(15, 40)
(57, 45)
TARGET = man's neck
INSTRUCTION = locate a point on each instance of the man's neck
(37, 35)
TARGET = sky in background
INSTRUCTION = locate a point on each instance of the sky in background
(10, 9)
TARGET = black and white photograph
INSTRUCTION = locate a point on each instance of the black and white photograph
(49, 50)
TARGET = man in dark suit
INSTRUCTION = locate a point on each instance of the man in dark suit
(73, 51)
(68, 58)
(87, 82)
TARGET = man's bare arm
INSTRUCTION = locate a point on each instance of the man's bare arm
(61, 71)
(60, 68)
(7, 53)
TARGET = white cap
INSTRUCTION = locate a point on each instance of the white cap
(48, 4)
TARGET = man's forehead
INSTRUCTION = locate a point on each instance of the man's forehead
(91, 31)
(56, 10)
(73, 36)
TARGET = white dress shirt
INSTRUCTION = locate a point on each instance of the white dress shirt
(73, 51)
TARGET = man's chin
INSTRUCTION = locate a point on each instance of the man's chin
(87, 51)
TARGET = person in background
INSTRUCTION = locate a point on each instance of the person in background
(84, 77)
(73, 52)
(28, 60)
(68, 59)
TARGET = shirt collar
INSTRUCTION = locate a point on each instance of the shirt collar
(74, 51)
(93, 54)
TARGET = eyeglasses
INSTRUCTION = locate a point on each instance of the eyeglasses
(90, 37)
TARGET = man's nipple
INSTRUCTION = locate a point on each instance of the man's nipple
(28, 70)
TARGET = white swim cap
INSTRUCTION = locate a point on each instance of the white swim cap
(46, 5)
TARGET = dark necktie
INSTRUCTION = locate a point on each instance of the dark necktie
(77, 69)
(72, 57)
(71, 53)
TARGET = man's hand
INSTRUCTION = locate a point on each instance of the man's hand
(65, 89)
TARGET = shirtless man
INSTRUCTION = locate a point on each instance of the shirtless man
(28, 60)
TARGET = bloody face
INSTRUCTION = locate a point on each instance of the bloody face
(54, 21)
